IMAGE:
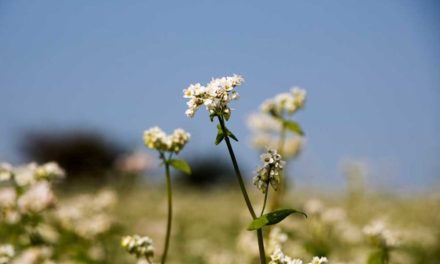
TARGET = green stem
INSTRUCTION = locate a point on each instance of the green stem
(170, 210)
(243, 189)
(266, 193)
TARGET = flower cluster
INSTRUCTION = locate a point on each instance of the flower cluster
(270, 171)
(216, 95)
(7, 252)
(86, 215)
(141, 247)
(155, 138)
(379, 235)
(278, 257)
(285, 102)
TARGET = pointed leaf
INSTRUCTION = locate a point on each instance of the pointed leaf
(232, 136)
(212, 116)
(219, 137)
(180, 165)
(294, 127)
(272, 218)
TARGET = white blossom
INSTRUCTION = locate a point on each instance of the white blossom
(139, 246)
(155, 138)
(7, 252)
(380, 235)
(285, 103)
(37, 198)
(216, 95)
(269, 172)
(318, 260)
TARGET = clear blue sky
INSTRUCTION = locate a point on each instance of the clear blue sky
(371, 69)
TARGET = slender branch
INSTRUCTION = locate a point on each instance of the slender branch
(170, 210)
(236, 168)
(243, 189)
(266, 193)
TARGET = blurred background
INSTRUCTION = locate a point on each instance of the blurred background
(81, 80)
(371, 70)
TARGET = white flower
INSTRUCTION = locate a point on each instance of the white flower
(155, 138)
(7, 252)
(278, 257)
(380, 235)
(5, 171)
(270, 171)
(318, 260)
(8, 197)
(285, 103)
(215, 96)
(37, 198)
(49, 171)
(139, 246)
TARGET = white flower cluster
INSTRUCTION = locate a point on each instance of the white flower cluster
(270, 171)
(379, 235)
(7, 252)
(155, 138)
(216, 95)
(285, 102)
(88, 216)
(27, 190)
(31, 173)
(141, 247)
(278, 257)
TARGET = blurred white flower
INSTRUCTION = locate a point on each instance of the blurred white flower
(155, 138)
(313, 207)
(380, 235)
(285, 103)
(5, 171)
(8, 197)
(139, 246)
(7, 252)
(37, 198)
(278, 257)
(33, 255)
(318, 260)
(49, 171)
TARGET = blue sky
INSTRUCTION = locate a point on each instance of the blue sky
(371, 69)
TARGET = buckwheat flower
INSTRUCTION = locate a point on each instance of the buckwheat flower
(155, 138)
(25, 175)
(276, 239)
(178, 140)
(380, 235)
(7, 252)
(8, 197)
(215, 96)
(37, 198)
(141, 247)
(318, 260)
(5, 171)
(285, 103)
(49, 171)
(278, 257)
(269, 173)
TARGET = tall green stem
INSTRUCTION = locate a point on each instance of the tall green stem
(170, 210)
(243, 189)
(266, 193)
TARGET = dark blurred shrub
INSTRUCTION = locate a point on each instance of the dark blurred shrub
(209, 171)
(85, 155)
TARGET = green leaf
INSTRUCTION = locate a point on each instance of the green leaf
(219, 137)
(294, 127)
(272, 218)
(232, 136)
(212, 116)
(180, 165)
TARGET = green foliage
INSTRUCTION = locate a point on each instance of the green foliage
(220, 135)
(272, 218)
(293, 126)
(180, 165)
